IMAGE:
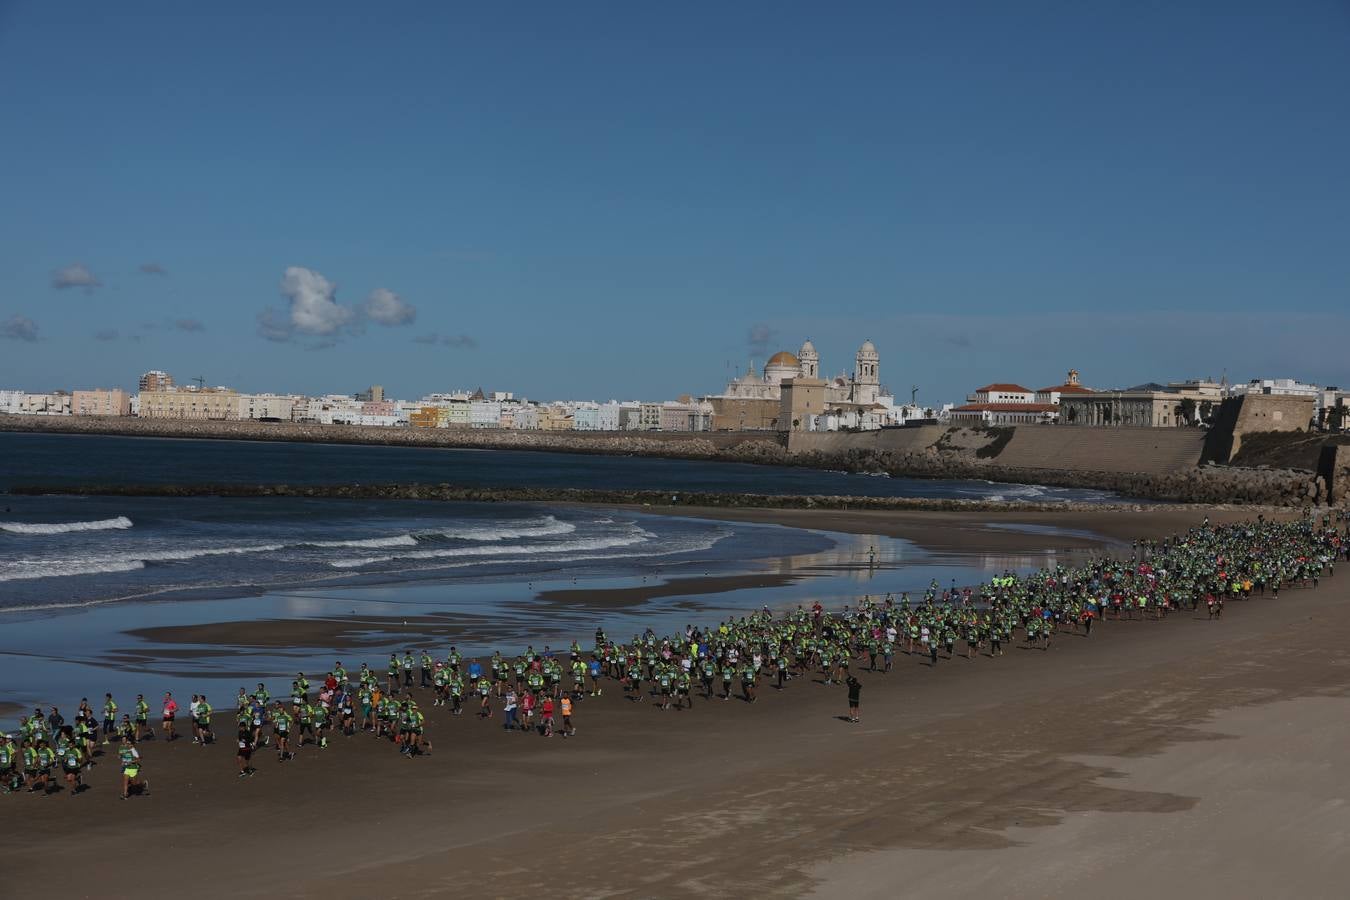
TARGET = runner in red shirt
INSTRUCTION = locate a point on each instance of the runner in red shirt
(546, 720)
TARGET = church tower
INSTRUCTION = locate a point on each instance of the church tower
(866, 378)
(810, 360)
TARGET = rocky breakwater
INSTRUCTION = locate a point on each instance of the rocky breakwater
(1202, 484)
(455, 493)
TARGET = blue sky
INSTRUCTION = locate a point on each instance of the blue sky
(596, 200)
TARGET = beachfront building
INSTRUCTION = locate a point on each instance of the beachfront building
(1006, 403)
(684, 415)
(649, 417)
(1152, 405)
(586, 416)
(555, 417)
(607, 418)
(57, 403)
(591, 416)
(10, 402)
(424, 417)
(484, 413)
(330, 409)
(525, 417)
(630, 415)
(154, 380)
(102, 402)
(218, 403)
(267, 407)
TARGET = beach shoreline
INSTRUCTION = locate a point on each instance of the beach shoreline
(964, 757)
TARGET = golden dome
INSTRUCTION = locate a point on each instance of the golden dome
(783, 358)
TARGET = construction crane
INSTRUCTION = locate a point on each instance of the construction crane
(914, 395)
(201, 382)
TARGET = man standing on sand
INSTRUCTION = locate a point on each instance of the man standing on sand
(854, 690)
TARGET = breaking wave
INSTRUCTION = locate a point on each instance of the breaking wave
(64, 527)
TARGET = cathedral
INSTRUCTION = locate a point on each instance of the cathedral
(862, 388)
(751, 401)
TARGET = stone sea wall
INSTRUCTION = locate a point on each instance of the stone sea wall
(932, 457)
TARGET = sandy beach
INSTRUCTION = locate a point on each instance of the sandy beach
(1036, 774)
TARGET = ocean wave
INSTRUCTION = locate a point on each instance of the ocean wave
(104, 564)
(65, 568)
(198, 552)
(64, 527)
(544, 527)
(705, 542)
(636, 537)
(400, 540)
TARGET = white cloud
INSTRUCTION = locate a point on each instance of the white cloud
(314, 306)
(19, 328)
(75, 275)
(384, 307)
(313, 309)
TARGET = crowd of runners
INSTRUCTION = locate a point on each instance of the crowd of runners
(537, 692)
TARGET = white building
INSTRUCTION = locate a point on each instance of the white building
(272, 407)
(525, 417)
(607, 416)
(56, 403)
(586, 417)
(10, 402)
(1278, 386)
(485, 414)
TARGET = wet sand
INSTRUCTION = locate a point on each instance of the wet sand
(353, 633)
(942, 531)
(974, 776)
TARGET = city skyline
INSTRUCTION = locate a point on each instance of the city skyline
(618, 202)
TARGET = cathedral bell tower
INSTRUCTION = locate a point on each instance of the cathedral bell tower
(810, 360)
(866, 376)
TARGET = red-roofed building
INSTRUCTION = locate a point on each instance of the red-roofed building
(1072, 387)
(1006, 413)
(1004, 403)
(1002, 393)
